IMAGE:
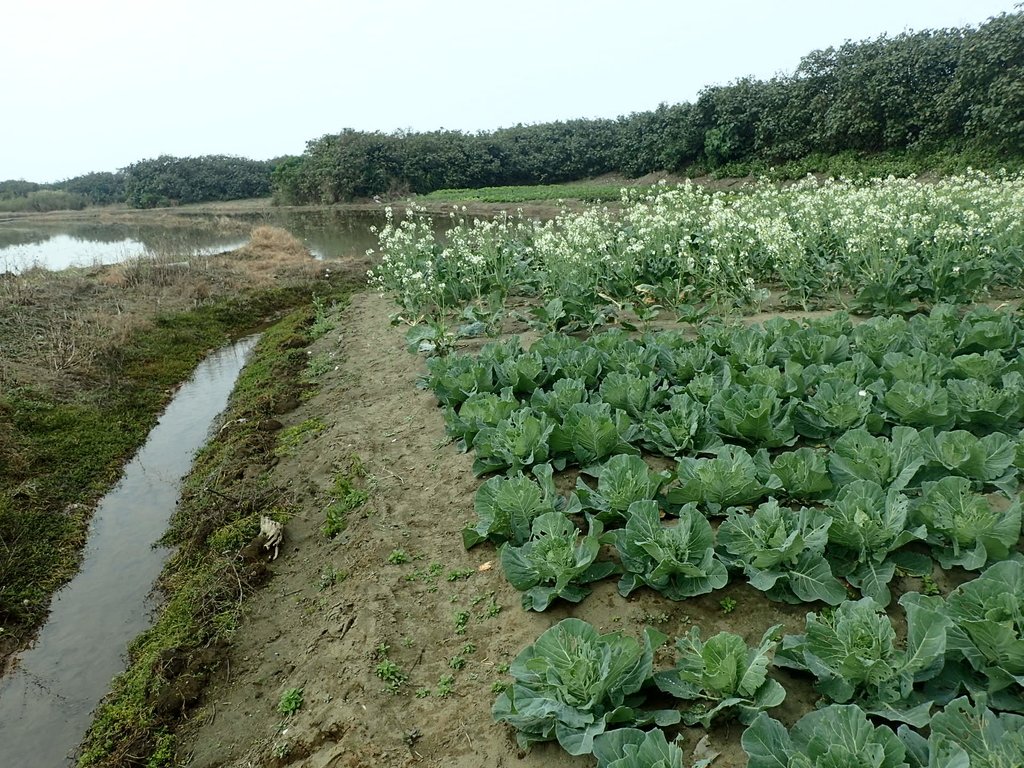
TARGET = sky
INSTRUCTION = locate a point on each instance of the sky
(96, 85)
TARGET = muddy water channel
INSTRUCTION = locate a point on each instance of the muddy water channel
(56, 244)
(45, 702)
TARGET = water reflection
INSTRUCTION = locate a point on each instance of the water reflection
(328, 234)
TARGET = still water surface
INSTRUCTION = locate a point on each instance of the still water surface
(45, 703)
(327, 234)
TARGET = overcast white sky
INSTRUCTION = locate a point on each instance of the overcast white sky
(93, 85)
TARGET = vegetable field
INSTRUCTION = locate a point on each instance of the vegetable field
(650, 436)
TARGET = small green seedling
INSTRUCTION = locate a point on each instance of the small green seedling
(291, 702)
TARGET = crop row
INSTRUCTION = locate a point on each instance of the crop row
(828, 447)
(574, 683)
(882, 245)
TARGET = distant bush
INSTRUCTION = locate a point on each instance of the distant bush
(42, 200)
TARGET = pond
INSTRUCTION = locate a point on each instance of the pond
(58, 244)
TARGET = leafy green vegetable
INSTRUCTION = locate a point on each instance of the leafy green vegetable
(731, 478)
(582, 363)
(803, 472)
(631, 393)
(981, 404)
(723, 674)
(988, 633)
(514, 443)
(633, 748)
(835, 408)
(591, 432)
(963, 528)
(454, 378)
(986, 329)
(556, 562)
(621, 480)
(479, 410)
(859, 455)
(680, 429)
(689, 359)
(967, 736)
(677, 560)
(880, 335)
(987, 460)
(854, 655)
(919, 404)
(810, 346)
(781, 552)
(507, 506)
(787, 384)
(755, 415)
(869, 527)
(573, 682)
(563, 395)
(837, 736)
(524, 373)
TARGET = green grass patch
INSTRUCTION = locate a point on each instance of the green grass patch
(590, 192)
(204, 580)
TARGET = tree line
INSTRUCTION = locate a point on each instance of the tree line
(958, 90)
(955, 92)
(161, 181)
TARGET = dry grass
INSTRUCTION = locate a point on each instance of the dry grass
(54, 325)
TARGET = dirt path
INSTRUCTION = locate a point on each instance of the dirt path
(338, 610)
(305, 632)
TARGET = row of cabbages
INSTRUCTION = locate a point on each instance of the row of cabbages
(575, 685)
(822, 447)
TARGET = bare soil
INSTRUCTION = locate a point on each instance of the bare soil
(336, 609)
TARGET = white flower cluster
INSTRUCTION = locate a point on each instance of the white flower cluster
(811, 237)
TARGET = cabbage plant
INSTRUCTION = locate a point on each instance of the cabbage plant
(507, 506)
(755, 415)
(836, 736)
(722, 676)
(563, 395)
(733, 477)
(987, 460)
(523, 373)
(891, 463)
(782, 552)
(677, 560)
(919, 404)
(621, 480)
(965, 735)
(834, 409)
(514, 443)
(631, 393)
(633, 748)
(988, 634)
(479, 410)
(964, 529)
(681, 428)
(988, 406)
(869, 529)
(453, 378)
(803, 473)
(556, 562)
(573, 683)
(591, 432)
(854, 654)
